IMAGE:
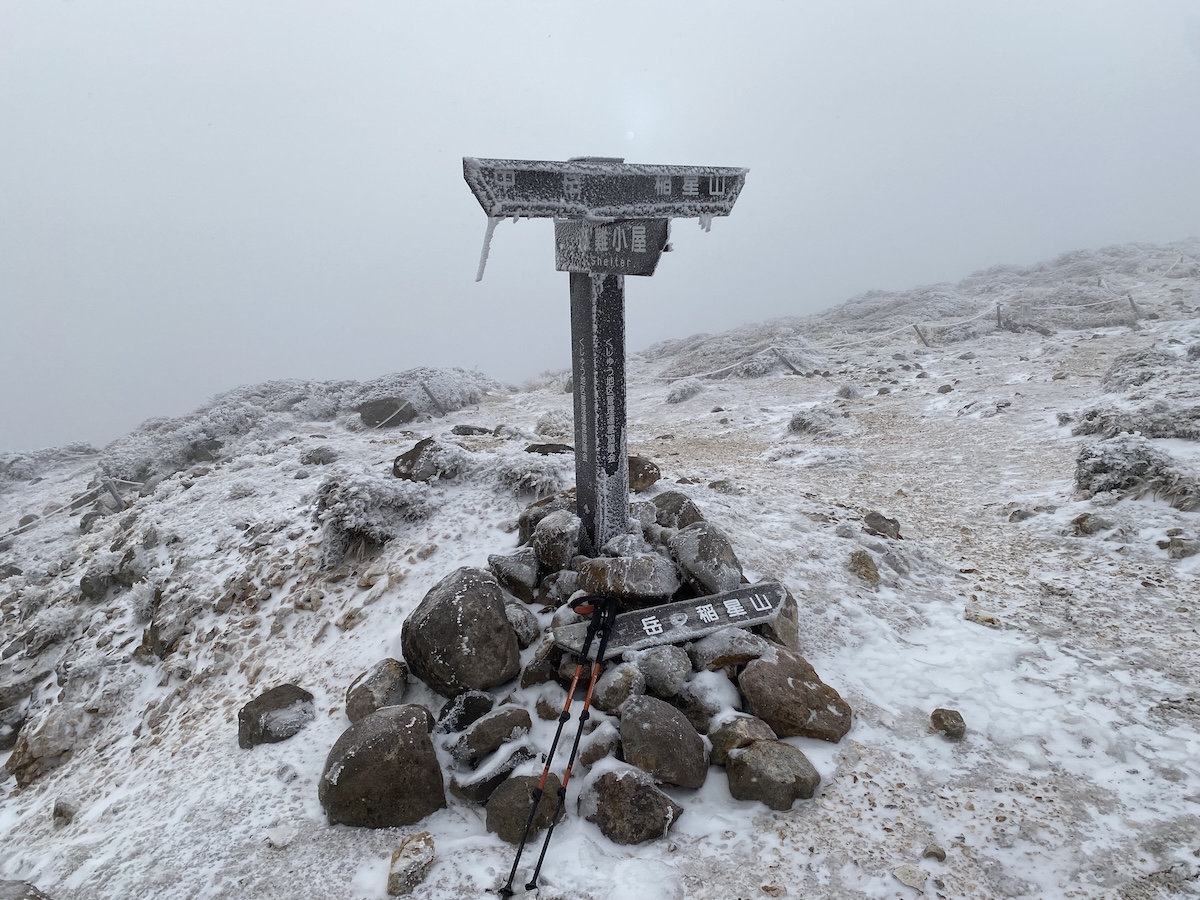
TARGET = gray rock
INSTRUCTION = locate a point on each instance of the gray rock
(479, 785)
(666, 669)
(783, 690)
(384, 684)
(676, 510)
(772, 772)
(785, 628)
(20, 890)
(469, 430)
(642, 474)
(600, 743)
(535, 512)
(735, 733)
(643, 512)
(645, 577)
(550, 449)
(46, 742)
(11, 722)
(617, 685)
(427, 460)
(274, 716)
(658, 739)
(727, 647)
(949, 723)
(386, 412)
(17, 684)
(467, 707)
(543, 668)
(1090, 523)
(627, 806)
(508, 807)
(524, 623)
(880, 525)
(517, 572)
(95, 585)
(383, 772)
(556, 540)
(487, 734)
(558, 587)
(411, 862)
(64, 812)
(706, 558)
(318, 456)
(459, 637)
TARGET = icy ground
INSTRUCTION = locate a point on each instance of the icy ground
(1073, 658)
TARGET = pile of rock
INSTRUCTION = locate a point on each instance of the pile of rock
(662, 716)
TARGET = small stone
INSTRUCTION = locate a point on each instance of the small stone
(933, 851)
(489, 733)
(647, 576)
(524, 623)
(464, 709)
(64, 812)
(274, 716)
(410, 864)
(910, 876)
(862, 565)
(949, 723)
(642, 474)
(878, 524)
(945, 389)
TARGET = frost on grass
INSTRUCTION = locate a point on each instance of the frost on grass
(362, 511)
(532, 473)
(1158, 420)
(556, 423)
(1138, 367)
(1129, 466)
(683, 390)
(817, 421)
(28, 466)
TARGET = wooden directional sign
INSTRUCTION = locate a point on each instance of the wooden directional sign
(686, 620)
(595, 188)
(624, 247)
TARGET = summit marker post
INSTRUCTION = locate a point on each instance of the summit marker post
(612, 219)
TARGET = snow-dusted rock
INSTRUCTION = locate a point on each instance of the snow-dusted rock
(616, 685)
(479, 784)
(706, 696)
(428, 460)
(643, 474)
(384, 684)
(735, 732)
(658, 739)
(772, 772)
(783, 690)
(878, 524)
(508, 807)
(466, 708)
(706, 558)
(410, 863)
(383, 772)
(47, 741)
(274, 716)
(862, 564)
(488, 733)
(647, 576)
(528, 520)
(524, 623)
(727, 647)
(517, 572)
(627, 806)
(556, 539)
(386, 412)
(949, 723)
(459, 638)
(676, 510)
(666, 669)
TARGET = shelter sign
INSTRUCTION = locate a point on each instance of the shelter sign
(612, 219)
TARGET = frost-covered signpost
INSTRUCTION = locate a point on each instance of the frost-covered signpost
(612, 219)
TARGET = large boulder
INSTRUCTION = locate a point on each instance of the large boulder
(274, 716)
(658, 739)
(381, 685)
(556, 539)
(772, 772)
(386, 412)
(783, 690)
(383, 771)
(627, 806)
(647, 576)
(706, 558)
(459, 638)
(666, 669)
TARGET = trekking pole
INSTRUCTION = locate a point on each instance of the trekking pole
(608, 618)
(580, 606)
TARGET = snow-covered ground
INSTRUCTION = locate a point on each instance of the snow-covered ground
(1074, 658)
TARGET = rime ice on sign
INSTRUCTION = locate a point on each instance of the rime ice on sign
(612, 219)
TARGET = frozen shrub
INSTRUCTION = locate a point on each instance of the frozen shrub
(363, 511)
(50, 626)
(531, 473)
(556, 423)
(1159, 420)
(1129, 466)
(685, 389)
(1137, 367)
(819, 420)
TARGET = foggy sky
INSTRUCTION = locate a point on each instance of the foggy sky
(198, 195)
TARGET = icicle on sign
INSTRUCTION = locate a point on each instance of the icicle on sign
(686, 620)
(612, 219)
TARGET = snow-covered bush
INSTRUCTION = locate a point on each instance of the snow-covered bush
(1159, 420)
(816, 421)
(361, 511)
(1138, 367)
(532, 473)
(1129, 466)
(555, 423)
(684, 389)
